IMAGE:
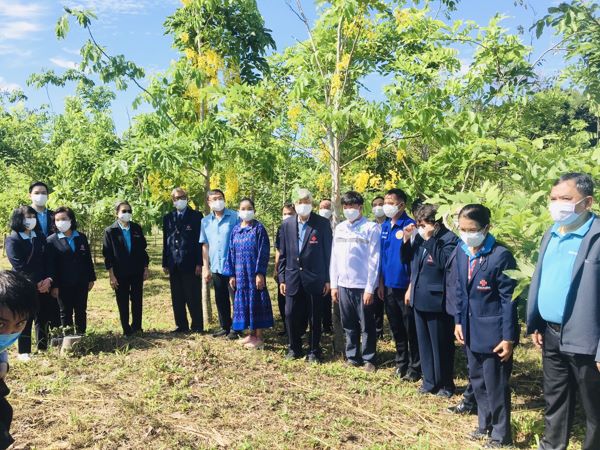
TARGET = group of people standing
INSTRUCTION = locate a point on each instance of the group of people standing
(436, 287)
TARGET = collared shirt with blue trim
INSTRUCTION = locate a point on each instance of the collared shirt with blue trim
(70, 239)
(395, 273)
(216, 233)
(42, 218)
(301, 231)
(27, 236)
(126, 235)
(557, 270)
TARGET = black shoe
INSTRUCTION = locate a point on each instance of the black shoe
(463, 409)
(423, 391)
(233, 335)
(369, 367)
(198, 330)
(492, 443)
(220, 333)
(478, 435)
(399, 372)
(282, 333)
(181, 330)
(445, 393)
(411, 377)
(313, 359)
(293, 355)
(352, 363)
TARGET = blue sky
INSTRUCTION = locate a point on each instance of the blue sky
(134, 28)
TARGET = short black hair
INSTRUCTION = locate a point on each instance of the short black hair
(416, 204)
(583, 182)
(119, 203)
(399, 193)
(18, 294)
(289, 206)
(476, 212)
(214, 192)
(379, 197)
(70, 213)
(426, 213)
(38, 183)
(249, 200)
(325, 200)
(17, 218)
(352, 198)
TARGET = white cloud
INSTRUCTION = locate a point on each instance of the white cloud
(71, 51)
(19, 10)
(18, 30)
(101, 7)
(12, 50)
(6, 86)
(64, 63)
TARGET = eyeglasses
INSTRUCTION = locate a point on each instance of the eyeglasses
(181, 197)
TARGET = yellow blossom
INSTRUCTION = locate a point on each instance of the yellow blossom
(361, 181)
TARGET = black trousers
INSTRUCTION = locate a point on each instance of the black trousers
(490, 379)
(436, 349)
(358, 321)
(48, 317)
(6, 416)
(281, 306)
(469, 399)
(301, 311)
(379, 308)
(564, 373)
(186, 290)
(222, 299)
(24, 342)
(327, 313)
(73, 299)
(130, 289)
(402, 324)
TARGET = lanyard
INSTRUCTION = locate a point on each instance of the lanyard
(472, 264)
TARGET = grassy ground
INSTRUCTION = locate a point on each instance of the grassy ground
(163, 392)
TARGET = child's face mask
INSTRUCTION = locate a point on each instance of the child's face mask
(6, 340)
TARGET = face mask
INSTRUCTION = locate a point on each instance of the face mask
(125, 217)
(421, 231)
(246, 215)
(63, 225)
(217, 205)
(390, 210)
(180, 205)
(327, 213)
(302, 209)
(6, 340)
(563, 213)
(473, 239)
(39, 199)
(30, 223)
(285, 216)
(351, 214)
(378, 211)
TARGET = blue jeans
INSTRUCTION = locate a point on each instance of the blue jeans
(358, 321)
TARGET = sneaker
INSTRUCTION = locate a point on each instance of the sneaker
(423, 391)
(180, 331)
(351, 363)
(478, 435)
(24, 357)
(313, 359)
(411, 377)
(56, 342)
(220, 333)
(463, 409)
(444, 393)
(291, 354)
(493, 443)
(233, 335)
(369, 367)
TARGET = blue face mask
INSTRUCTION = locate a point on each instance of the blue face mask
(6, 340)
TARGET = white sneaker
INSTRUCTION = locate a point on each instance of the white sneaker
(24, 357)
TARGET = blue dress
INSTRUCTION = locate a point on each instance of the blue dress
(248, 256)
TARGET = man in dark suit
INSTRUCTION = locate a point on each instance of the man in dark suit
(563, 312)
(304, 256)
(182, 261)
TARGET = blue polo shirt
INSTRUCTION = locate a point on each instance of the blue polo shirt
(126, 235)
(70, 239)
(42, 218)
(216, 233)
(394, 273)
(557, 270)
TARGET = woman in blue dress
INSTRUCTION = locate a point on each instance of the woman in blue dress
(246, 266)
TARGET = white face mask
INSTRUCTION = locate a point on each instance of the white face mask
(63, 225)
(180, 205)
(30, 223)
(473, 239)
(563, 213)
(351, 214)
(421, 231)
(286, 216)
(327, 213)
(246, 215)
(378, 211)
(217, 205)
(125, 217)
(390, 210)
(302, 209)
(39, 199)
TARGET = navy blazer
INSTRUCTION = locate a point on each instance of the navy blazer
(116, 255)
(71, 268)
(49, 224)
(580, 332)
(181, 241)
(429, 260)
(450, 283)
(28, 259)
(307, 267)
(485, 307)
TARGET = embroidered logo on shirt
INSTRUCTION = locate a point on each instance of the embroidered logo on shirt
(483, 286)
(399, 234)
(313, 240)
(429, 259)
(188, 228)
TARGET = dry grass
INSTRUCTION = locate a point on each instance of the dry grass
(163, 392)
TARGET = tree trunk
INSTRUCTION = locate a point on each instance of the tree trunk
(206, 303)
(334, 149)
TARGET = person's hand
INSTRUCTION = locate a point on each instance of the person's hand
(232, 283)
(429, 231)
(334, 296)
(458, 334)
(54, 292)
(407, 297)
(504, 349)
(538, 339)
(381, 292)
(44, 286)
(90, 285)
(598, 366)
(113, 281)
(282, 288)
(206, 274)
(166, 270)
(198, 271)
(3, 370)
(408, 232)
(326, 289)
(367, 298)
(260, 281)
(146, 274)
